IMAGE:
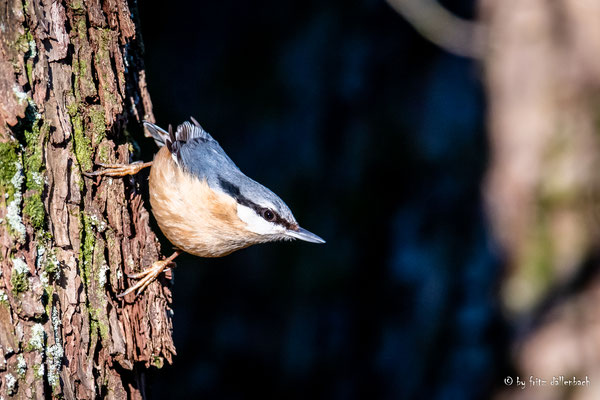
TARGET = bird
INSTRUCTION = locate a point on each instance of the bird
(203, 203)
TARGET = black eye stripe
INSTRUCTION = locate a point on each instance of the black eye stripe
(230, 188)
(234, 191)
(276, 218)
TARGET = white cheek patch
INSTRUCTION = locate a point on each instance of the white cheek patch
(257, 224)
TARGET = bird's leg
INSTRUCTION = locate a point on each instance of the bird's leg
(148, 275)
(116, 170)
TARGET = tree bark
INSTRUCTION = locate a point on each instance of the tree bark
(72, 86)
(543, 82)
(542, 76)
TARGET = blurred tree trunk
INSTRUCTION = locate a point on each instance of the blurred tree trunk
(71, 80)
(543, 80)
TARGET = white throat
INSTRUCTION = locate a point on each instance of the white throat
(255, 223)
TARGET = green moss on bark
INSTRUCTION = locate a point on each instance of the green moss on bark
(33, 165)
(86, 253)
(97, 124)
(18, 277)
(82, 144)
(11, 181)
(9, 156)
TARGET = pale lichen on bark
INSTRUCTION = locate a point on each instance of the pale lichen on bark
(71, 78)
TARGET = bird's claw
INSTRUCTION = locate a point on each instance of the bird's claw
(145, 277)
(118, 170)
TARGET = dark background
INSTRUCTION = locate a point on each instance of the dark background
(375, 138)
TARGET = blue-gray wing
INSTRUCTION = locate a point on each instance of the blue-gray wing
(200, 155)
(195, 151)
(205, 159)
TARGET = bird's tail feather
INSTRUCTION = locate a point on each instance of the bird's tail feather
(185, 132)
(191, 130)
(159, 135)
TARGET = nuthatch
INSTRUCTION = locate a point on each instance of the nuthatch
(203, 203)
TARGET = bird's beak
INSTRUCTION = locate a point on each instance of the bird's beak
(305, 235)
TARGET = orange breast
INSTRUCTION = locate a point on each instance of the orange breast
(195, 218)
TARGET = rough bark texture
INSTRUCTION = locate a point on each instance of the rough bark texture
(71, 80)
(543, 189)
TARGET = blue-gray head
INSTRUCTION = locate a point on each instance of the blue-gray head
(263, 212)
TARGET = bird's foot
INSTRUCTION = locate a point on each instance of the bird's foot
(146, 277)
(117, 170)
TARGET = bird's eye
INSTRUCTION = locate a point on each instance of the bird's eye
(268, 215)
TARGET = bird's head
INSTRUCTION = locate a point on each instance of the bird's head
(262, 212)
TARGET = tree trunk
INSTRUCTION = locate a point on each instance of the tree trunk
(543, 187)
(71, 81)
